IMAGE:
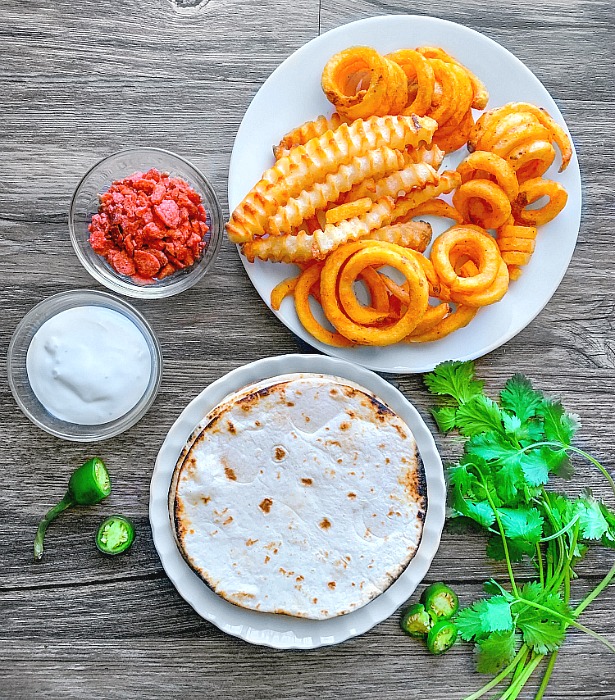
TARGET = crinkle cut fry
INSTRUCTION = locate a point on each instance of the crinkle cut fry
(448, 181)
(413, 234)
(305, 247)
(378, 162)
(311, 163)
(413, 177)
(308, 130)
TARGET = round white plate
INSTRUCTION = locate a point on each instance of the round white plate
(292, 95)
(281, 631)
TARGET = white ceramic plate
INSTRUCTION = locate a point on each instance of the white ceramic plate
(281, 631)
(292, 95)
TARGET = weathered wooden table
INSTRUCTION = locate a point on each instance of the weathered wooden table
(80, 80)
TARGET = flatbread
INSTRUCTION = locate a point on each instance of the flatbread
(302, 495)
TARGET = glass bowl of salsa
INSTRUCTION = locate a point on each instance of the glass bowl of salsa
(146, 223)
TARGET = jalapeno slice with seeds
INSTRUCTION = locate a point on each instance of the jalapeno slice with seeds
(416, 621)
(440, 600)
(441, 637)
(115, 535)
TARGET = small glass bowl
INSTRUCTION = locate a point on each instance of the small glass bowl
(18, 375)
(85, 204)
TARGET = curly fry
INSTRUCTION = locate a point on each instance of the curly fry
(302, 305)
(283, 289)
(436, 207)
(482, 249)
(493, 164)
(497, 205)
(420, 79)
(454, 321)
(529, 192)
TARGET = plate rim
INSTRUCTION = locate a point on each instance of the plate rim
(195, 591)
(575, 198)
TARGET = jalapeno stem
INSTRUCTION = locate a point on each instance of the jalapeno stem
(64, 504)
(89, 484)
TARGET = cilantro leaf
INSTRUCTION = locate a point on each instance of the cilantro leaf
(520, 398)
(496, 651)
(542, 632)
(522, 524)
(591, 518)
(445, 417)
(454, 379)
(535, 466)
(559, 426)
(517, 549)
(483, 617)
(479, 415)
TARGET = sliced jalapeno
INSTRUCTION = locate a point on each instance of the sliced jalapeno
(441, 636)
(440, 600)
(416, 621)
(115, 535)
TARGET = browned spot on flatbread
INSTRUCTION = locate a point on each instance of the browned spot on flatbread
(243, 596)
(267, 559)
(299, 579)
(231, 427)
(250, 542)
(205, 499)
(325, 524)
(228, 521)
(265, 505)
(401, 432)
(314, 600)
(352, 495)
(306, 481)
(331, 584)
(230, 474)
(280, 453)
(345, 426)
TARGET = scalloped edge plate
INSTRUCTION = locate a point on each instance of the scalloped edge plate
(281, 631)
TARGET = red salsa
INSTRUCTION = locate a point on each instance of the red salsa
(149, 225)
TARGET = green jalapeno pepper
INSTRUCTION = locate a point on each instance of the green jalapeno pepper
(441, 636)
(115, 535)
(88, 484)
(440, 601)
(416, 621)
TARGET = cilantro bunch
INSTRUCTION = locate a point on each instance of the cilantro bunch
(513, 447)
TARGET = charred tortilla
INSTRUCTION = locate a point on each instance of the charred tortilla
(302, 495)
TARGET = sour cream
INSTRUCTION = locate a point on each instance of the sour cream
(89, 365)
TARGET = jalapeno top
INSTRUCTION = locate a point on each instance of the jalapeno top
(88, 484)
(115, 535)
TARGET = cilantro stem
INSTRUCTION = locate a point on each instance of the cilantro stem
(541, 571)
(596, 592)
(569, 621)
(561, 532)
(561, 577)
(547, 676)
(519, 659)
(515, 688)
(502, 535)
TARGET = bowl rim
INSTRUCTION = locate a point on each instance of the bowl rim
(42, 312)
(195, 273)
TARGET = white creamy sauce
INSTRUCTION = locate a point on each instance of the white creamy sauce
(88, 365)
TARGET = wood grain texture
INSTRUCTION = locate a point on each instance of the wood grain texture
(80, 80)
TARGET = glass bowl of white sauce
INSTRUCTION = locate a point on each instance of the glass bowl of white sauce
(84, 365)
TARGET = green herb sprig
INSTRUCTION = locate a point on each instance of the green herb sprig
(513, 447)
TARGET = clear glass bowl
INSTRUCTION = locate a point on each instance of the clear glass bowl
(18, 375)
(85, 203)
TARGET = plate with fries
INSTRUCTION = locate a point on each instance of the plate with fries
(293, 220)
